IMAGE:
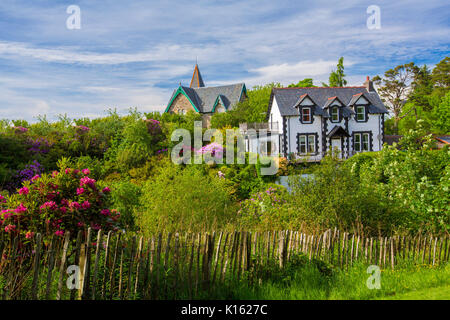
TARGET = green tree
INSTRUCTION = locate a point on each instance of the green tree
(337, 77)
(394, 89)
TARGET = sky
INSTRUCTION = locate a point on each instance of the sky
(133, 54)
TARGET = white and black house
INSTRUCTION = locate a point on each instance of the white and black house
(310, 122)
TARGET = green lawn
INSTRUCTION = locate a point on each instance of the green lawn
(307, 282)
(440, 293)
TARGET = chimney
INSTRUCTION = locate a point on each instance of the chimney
(369, 85)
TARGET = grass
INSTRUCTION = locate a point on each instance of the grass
(309, 282)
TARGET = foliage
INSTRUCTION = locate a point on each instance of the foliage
(184, 199)
(337, 77)
(51, 204)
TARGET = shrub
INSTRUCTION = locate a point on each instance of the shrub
(66, 200)
(180, 199)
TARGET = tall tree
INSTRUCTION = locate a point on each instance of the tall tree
(337, 77)
(441, 74)
(395, 88)
(308, 82)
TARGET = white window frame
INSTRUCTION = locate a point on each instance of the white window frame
(363, 114)
(335, 112)
(305, 141)
(362, 140)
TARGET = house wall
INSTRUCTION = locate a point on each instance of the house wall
(181, 103)
(295, 127)
(373, 124)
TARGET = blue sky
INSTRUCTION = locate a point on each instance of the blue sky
(134, 53)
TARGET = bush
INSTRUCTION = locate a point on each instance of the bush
(66, 200)
(186, 199)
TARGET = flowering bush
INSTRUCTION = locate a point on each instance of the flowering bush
(66, 200)
(264, 209)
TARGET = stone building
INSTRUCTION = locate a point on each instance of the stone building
(205, 100)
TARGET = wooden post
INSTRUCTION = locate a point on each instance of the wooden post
(77, 258)
(138, 266)
(62, 265)
(97, 261)
(87, 267)
(37, 257)
(51, 262)
(106, 264)
(113, 266)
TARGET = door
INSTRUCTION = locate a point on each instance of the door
(336, 146)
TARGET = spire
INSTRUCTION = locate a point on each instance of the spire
(197, 80)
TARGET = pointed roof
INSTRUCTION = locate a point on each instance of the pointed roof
(197, 80)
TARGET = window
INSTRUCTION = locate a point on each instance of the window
(357, 142)
(365, 140)
(302, 144)
(311, 144)
(361, 142)
(306, 115)
(360, 113)
(182, 111)
(307, 143)
(335, 114)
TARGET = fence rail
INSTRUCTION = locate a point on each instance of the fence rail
(95, 265)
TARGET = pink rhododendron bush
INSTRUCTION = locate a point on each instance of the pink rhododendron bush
(51, 204)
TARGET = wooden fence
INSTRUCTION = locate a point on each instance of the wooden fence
(184, 266)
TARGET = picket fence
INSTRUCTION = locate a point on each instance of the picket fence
(179, 266)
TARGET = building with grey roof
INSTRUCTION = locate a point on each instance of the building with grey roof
(205, 100)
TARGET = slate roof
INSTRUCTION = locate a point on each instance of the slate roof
(338, 131)
(287, 98)
(204, 98)
(197, 80)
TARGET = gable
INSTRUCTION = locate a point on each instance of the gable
(180, 100)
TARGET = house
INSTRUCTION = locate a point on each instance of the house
(205, 100)
(442, 141)
(306, 123)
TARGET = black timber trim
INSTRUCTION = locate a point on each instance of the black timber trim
(284, 136)
(324, 135)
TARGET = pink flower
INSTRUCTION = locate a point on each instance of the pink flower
(35, 177)
(105, 212)
(63, 209)
(80, 224)
(20, 209)
(86, 205)
(75, 205)
(10, 227)
(80, 191)
(106, 190)
(24, 190)
(76, 171)
(96, 226)
(87, 181)
(29, 235)
(59, 233)
(2, 199)
(54, 173)
(86, 171)
(49, 205)
(67, 171)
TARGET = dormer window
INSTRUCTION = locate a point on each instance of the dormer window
(335, 114)
(306, 115)
(360, 113)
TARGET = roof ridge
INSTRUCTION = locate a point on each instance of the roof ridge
(287, 88)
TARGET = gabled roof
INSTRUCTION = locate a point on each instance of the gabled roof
(356, 97)
(197, 80)
(204, 99)
(331, 100)
(338, 131)
(287, 97)
(302, 98)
